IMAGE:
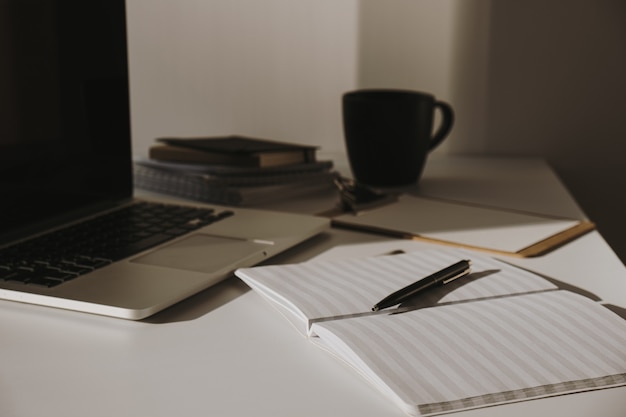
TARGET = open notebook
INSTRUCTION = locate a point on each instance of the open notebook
(500, 335)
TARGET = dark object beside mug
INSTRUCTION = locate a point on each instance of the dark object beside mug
(388, 134)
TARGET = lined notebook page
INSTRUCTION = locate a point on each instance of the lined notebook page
(326, 289)
(475, 354)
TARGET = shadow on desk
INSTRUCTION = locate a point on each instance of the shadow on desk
(202, 303)
(223, 292)
(620, 311)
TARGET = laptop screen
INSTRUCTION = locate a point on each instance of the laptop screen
(64, 110)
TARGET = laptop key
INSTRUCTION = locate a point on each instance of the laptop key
(137, 246)
(17, 275)
(45, 282)
(58, 275)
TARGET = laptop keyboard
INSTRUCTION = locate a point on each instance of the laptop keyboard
(65, 254)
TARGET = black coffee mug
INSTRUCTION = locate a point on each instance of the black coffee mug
(388, 134)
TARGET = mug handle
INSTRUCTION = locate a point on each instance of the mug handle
(446, 124)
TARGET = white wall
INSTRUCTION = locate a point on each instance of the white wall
(271, 68)
(436, 46)
(557, 88)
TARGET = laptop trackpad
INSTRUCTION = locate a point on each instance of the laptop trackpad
(203, 253)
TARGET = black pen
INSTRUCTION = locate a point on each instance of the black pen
(442, 277)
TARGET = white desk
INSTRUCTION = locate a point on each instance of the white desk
(226, 352)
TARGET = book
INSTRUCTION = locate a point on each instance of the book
(227, 173)
(232, 150)
(500, 335)
(233, 190)
(502, 231)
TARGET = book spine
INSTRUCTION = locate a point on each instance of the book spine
(197, 187)
(186, 186)
(225, 171)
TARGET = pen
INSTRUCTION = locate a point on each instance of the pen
(442, 277)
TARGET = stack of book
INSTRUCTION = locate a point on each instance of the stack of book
(232, 170)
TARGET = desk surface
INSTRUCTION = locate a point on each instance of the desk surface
(226, 352)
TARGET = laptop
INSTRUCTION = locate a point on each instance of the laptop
(72, 235)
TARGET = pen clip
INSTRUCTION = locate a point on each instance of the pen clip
(459, 275)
